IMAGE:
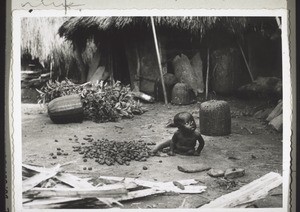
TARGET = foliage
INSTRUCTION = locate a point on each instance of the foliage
(101, 102)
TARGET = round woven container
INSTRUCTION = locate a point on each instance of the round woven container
(66, 109)
(170, 80)
(215, 118)
(182, 94)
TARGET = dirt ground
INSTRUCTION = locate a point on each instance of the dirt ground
(259, 152)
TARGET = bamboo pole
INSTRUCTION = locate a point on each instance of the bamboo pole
(159, 61)
(247, 65)
(207, 75)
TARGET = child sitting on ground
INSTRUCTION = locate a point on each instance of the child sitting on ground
(185, 138)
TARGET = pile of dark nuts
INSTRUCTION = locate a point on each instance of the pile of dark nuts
(110, 152)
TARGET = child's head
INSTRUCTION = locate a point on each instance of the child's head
(185, 121)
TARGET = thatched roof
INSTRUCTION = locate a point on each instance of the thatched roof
(85, 27)
(39, 37)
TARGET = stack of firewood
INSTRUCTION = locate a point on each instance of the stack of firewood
(33, 78)
(275, 117)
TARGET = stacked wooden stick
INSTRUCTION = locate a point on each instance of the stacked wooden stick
(275, 118)
(33, 78)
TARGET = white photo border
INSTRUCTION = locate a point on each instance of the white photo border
(15, 122)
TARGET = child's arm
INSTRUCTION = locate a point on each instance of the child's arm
(162, 145)
(201, 143)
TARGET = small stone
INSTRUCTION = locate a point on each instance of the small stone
(56, 140)
(58, 149)
(234, 173)
(90, 168)
(84, 160)
(145, 168)
(65, 154)
(51, 154)
(160, 161)
(215, 173)
(54, 157)
(58, 153)
(84, 168)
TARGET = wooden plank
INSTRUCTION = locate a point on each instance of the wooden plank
(164, 186)
(73, 181)
(139, 194)
(48, 201)
(255, 190)
(276, 123)
(35, 168)
(31, 182)
(146, 183)
(104, 191)
(276, 112)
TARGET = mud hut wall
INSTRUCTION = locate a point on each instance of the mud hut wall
(133, 62)
(149, 69)
(264, 56)
(142, 61)
(228, 70)
(121, 55)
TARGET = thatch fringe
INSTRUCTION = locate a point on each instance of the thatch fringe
(73, 28)
(41, 41)
(40, 38)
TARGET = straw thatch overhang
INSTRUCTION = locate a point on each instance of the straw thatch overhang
(86, 27)
(133, 37)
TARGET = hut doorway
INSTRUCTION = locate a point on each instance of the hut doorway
(120, 63)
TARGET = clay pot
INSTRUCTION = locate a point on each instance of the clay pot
(182, 94)
(170, 80)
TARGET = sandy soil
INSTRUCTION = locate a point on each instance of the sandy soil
(258, 153)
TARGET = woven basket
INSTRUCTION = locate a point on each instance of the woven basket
(215, 118)
(66, 109)
(182, 94)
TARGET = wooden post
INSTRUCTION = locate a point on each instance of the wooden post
(207, 75)
(138, 70)
(158, 60)
(244, 57)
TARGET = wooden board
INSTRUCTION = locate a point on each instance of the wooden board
(73, 181)
(103, 191)
(276, 112)
(276, 123)
(33, 181)
(255, 190)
